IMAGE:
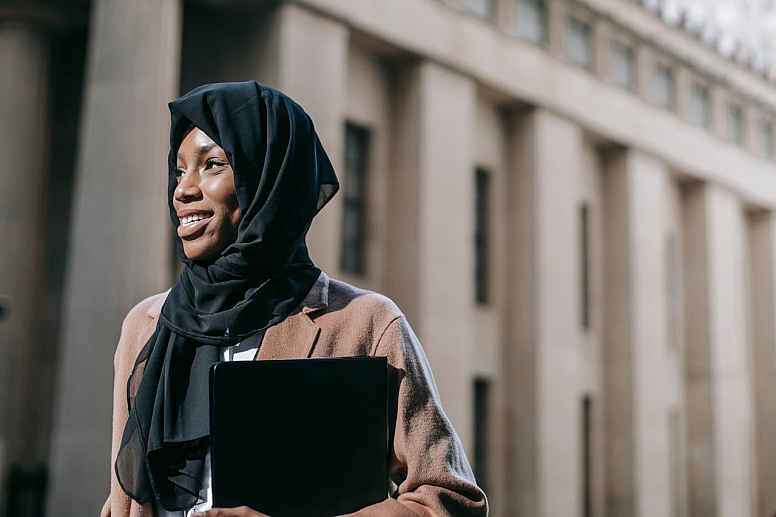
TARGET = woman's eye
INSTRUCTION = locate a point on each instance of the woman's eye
(179, 173)
(212, 164)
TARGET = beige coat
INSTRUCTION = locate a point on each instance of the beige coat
(427, 462)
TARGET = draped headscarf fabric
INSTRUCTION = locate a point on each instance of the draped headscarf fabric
(282, 179)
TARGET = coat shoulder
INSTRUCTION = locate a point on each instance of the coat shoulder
(354, 321)
(147, 309)
(138, 326)
(361, 302)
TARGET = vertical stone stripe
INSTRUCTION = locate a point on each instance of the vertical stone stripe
(701, 464)
(762, 239)
(403, 233)
(446, 228)
(312, 57)
(23, 154)
(618, 363)
(519, 371)
(120, 239)
(647, 210)
(557, 152)
(730, 353)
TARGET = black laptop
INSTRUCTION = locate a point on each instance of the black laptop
(299, 437)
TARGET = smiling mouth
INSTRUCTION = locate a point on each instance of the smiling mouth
(192, 225)
(193, 219)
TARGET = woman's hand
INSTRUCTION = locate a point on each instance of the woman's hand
(240, 511)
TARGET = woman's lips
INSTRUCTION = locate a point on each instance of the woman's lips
(193, 229)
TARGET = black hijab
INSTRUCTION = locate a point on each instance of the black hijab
(283, 178)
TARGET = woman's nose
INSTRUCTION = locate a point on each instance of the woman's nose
(188, 187)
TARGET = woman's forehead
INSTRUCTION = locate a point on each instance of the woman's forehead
(196, 142)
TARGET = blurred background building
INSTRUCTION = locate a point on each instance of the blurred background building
(574, 202)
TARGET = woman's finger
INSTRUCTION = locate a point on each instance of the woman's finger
(240, 511)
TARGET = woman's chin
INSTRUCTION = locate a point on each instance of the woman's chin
(200, 254)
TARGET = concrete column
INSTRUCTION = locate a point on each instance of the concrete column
(619, 413)
(701, 472)
(636, 367)
(558, 145)
(430, 262)
(402, 262)
(730, 354)
(541, 356)
(762, 242)
(519, 370)
(305, 55)
(24, 139)
(447, 104)
(121, 235)
(718, 368)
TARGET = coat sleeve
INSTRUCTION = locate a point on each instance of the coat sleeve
(427, 462)
(135, 331)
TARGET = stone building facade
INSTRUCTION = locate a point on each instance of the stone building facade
(573, 203)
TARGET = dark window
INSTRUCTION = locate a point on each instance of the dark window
(530, 19)
(700, 105)
(481, 396)
(579, 42)
(765, 139)
(735, 124)
(481, 255)
(479, 7)
(663, 86)
(587, 457)
(354, 203)
(584, 264)
(622, 65)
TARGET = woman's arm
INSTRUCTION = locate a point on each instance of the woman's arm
(427, 462)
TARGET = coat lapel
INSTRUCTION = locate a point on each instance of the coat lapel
(292, 338)
(295, 337)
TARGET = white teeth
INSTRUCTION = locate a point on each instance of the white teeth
(190, 219)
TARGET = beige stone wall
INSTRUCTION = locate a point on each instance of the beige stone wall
(678, 353)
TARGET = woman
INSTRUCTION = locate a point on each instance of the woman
(247, 174)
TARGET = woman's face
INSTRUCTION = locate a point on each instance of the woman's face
(205, 198)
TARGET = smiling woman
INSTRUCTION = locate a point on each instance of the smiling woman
(247, 174)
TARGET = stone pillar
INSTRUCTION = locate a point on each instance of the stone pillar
(519, 371)
(618, 367)
(119, 251)
(558, 148)
(701, 471)
(430, 262)
(762, 245)
(636, 368)
(24, 122)
(730, 353)
(718, 361)
(541, 356)
(305, 55)
(402, 261)
(446, 119)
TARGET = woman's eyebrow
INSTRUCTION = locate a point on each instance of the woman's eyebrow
(199, 151)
